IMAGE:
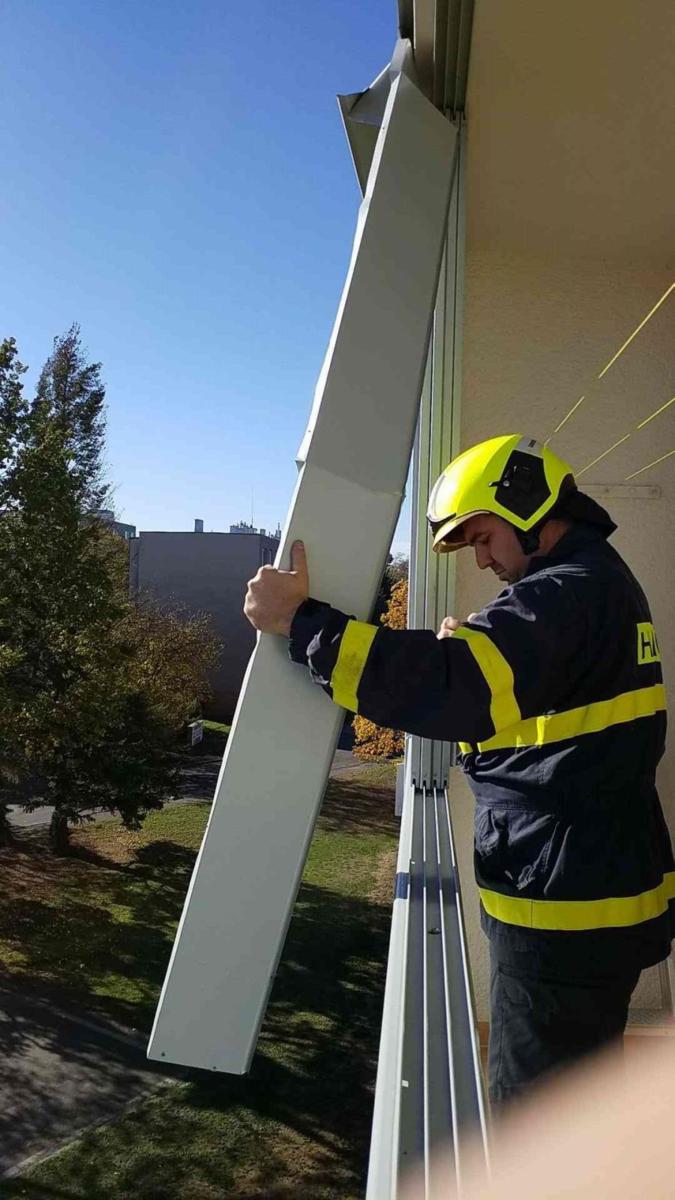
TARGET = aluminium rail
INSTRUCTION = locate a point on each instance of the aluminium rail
(429, 1098)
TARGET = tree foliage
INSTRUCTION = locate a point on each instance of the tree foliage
(12, 405)
(370, 740)
(92, 692)
(395, 570)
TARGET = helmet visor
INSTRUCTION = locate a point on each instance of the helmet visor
(448, 534)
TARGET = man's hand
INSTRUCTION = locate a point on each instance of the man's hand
(274, 596)
(448, 627)
(450, 624)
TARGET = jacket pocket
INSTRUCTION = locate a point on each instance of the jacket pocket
(513, 847)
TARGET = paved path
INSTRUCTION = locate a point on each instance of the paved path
(60, 1073)
(199, 778)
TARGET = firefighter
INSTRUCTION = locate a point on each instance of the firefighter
(554, 694)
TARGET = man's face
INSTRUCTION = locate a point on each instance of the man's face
(496, 546)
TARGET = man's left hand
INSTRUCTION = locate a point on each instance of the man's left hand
(274, 596)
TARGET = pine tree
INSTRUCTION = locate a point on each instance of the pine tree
(12, 415)
(83, 723)
(12, 406)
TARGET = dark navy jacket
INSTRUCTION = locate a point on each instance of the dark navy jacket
(554, 692)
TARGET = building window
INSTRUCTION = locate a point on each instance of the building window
(267, 557)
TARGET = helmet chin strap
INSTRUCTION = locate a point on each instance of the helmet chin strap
(529, 539)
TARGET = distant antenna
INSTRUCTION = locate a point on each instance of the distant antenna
(251, 506)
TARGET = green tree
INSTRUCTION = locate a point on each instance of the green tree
(395, 570)
(12, 407)
(12, 415)
(84, 722)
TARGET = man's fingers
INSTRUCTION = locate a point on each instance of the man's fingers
(299, 562)
(448, 627)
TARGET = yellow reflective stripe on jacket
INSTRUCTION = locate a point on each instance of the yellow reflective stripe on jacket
(575, 722)
(497, 674)
(354, 650)
(615, 912)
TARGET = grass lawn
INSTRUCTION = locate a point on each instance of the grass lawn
(215, 738)
(98, 927)
(216, 727)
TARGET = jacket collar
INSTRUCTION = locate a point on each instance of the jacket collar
(576, 538)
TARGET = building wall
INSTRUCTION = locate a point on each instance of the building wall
(537, 334)
(206, 573)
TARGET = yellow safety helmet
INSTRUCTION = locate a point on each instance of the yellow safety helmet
(514, 477)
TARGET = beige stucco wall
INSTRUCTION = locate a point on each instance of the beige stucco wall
(537, 334)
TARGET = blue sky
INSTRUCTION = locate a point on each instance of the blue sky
(177, 181)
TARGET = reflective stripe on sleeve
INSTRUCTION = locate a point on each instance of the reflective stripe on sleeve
(354, 650)
(575, 722)
(612, 913)
(497, 673)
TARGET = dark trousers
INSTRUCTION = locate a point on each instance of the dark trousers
(542, 1019)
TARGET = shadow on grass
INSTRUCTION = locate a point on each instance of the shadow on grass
(360, 802)
(199, 774)
(69, 925)
(313, 1077)
(300, 1123)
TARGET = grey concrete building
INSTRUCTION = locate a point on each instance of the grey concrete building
(119, 527)
(206, 573)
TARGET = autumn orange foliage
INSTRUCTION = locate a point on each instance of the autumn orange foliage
(371, 741)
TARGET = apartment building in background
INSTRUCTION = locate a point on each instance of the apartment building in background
(206, 573)
(119, 527)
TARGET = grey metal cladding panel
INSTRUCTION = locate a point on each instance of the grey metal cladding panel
(345, 508)
(406, 24)
(365, 389)
(457, 83)
(412, 1132)
(438, 1092)
(442, 1106)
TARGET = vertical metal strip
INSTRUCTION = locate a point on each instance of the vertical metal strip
(432, 577)
(434, 567)
(419, 542)
(458, 216)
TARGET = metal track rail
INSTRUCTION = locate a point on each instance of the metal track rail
(429, 1100)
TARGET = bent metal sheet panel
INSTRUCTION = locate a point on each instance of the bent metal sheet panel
(353, 466)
